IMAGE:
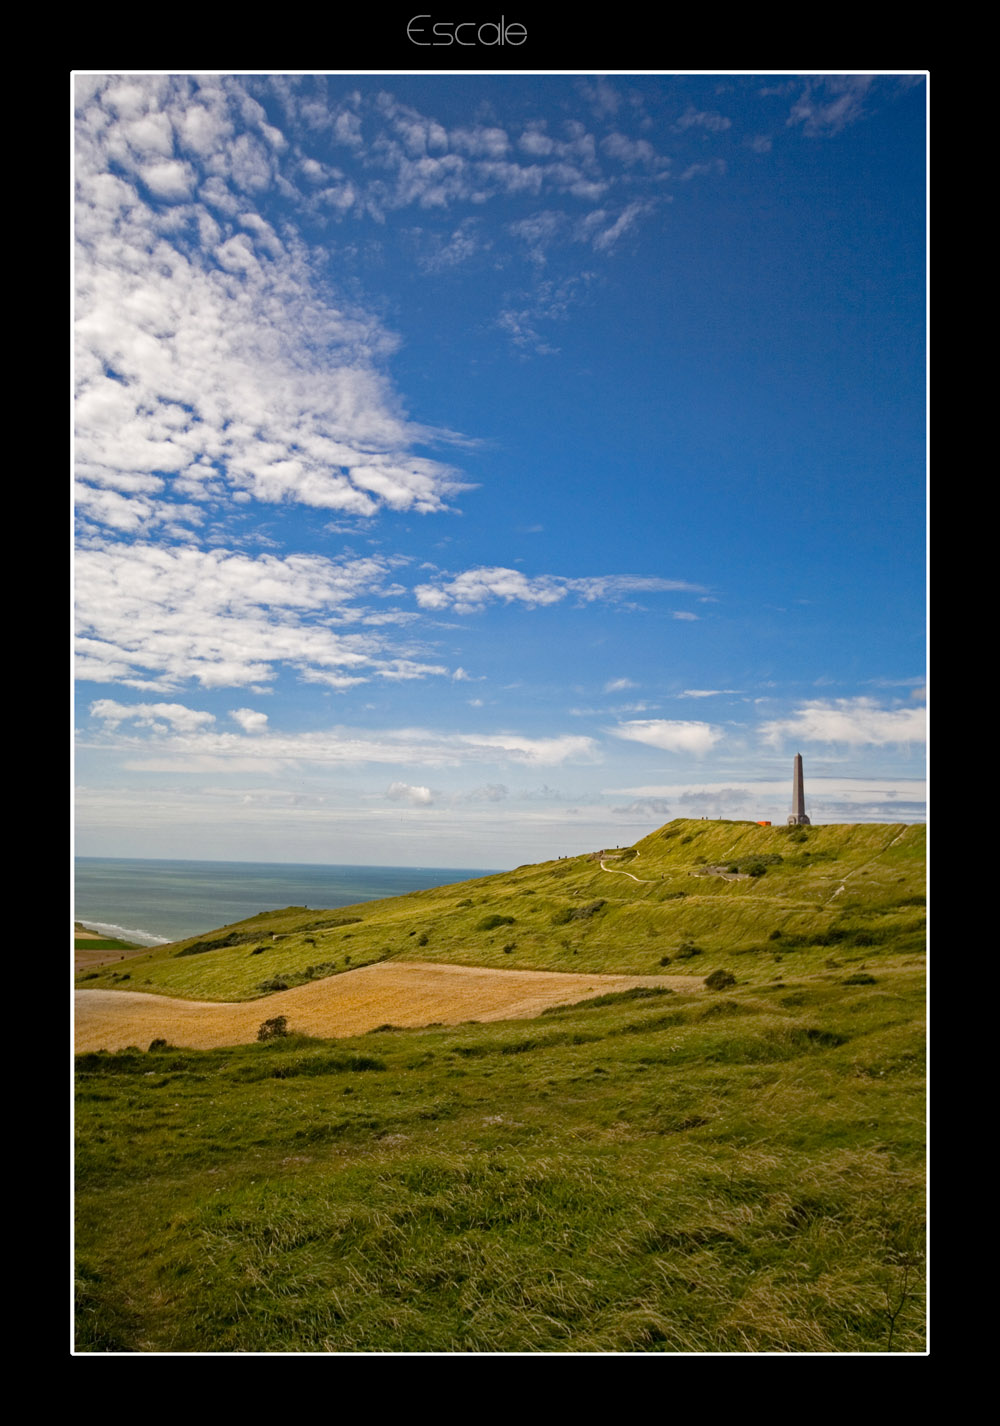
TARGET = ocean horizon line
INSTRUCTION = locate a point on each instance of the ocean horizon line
(159, 899)
(231, 861)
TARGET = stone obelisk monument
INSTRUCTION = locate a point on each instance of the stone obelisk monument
(798, 817)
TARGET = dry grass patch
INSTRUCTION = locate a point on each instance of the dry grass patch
(407, 994)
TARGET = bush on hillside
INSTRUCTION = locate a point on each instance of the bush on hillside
(719, 979)
(687, 949)
(273, 1029)
(577, 913)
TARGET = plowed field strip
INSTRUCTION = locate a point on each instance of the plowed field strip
(399, 993)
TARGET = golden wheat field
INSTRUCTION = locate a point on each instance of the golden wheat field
(403, 993)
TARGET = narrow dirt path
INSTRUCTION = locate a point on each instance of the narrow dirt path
(617, 871)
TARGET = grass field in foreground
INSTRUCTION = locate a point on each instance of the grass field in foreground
(739, 1171)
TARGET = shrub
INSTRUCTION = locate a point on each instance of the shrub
(859, 980)
(687, 949)
(577, 913)
(157, 1044)
(490, 923)
(273, 1029)
(719, 979)
(664, 960)
(422, 939)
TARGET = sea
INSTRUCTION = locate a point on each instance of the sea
(153, 902)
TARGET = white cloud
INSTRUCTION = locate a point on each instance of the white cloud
(672, 735)
(249, 720)
(618, 683)
(477, 587)
(604, 235)
(150, 715)
(854, 721)
(267, 751)
(171, 614)
(704, 119)
(474, 588)
(231, 354)
(172, 179)
(405, 792)
(829, 104)
(541, 752)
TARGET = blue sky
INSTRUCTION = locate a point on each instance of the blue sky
(477, 469)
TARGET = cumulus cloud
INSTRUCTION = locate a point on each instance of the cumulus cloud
(249, 720)
(206, 348)
(406, 792)
(672, 735)
(162, 615)
(150, 715)
(855, 721)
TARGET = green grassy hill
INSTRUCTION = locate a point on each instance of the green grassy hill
(735, 1171)
(694, 895)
